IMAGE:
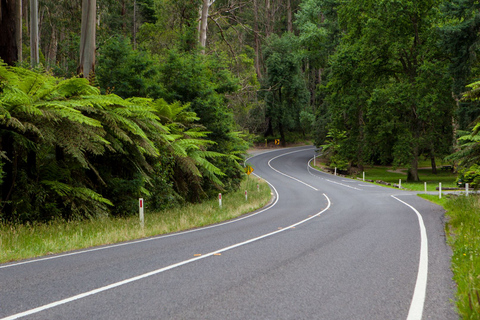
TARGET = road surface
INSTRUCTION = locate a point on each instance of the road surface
(327, 248)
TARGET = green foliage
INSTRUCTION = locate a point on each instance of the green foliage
(331, 151)
(388, 84)
(463, 234)
(70, 152)
(126, 72)
(201, 82)
(285, 89)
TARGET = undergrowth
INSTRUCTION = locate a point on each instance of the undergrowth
(19, 242)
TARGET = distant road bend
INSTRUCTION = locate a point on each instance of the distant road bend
(327, 248)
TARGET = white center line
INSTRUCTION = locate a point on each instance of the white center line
(155, 272)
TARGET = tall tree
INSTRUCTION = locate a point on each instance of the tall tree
(18, 29)
(203, 24)
(34, 39)
(8, 44)
(390, 67)
(87, 40)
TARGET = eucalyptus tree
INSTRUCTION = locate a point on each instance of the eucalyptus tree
(87, 40)
(34, 36)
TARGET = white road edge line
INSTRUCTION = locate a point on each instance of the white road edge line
(148, 239)
(286, 175)
(310, 167)
(155, 272)
(418, 300)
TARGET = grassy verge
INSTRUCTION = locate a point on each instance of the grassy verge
(393, 175)
(27, 241)
(463, 232)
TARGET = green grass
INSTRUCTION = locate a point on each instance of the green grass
(447, 178)
(463, 232)
(385, 173)
(27, 241)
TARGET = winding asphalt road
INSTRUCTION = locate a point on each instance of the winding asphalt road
(327, 248)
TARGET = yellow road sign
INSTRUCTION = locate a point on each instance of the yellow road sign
(277, 141)
(248, 169)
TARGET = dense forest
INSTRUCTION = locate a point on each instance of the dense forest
(104, 101)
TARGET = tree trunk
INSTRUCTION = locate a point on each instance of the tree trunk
(34, 54)
(52, 52)
(412, 175)
(8, 44)
(269, 20)
(6, 143)
(18, 30)
(282, 135)
(25, 15)
(87, 39)
(202, 36)
(257, 40)
(135, 25)
(434, 164)
(289, 16)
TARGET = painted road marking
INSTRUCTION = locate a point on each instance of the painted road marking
(148, 239)
(342, 184)
(158, 271)
(418, 300)
(286, 175)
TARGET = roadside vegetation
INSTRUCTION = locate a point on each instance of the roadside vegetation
(463, 234)
(392, 175)
(23, 241)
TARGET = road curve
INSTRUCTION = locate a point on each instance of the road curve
(328, 248)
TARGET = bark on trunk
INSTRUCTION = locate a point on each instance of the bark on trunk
(18, 30)
(8, 44)
(434, 164)
(202, 36)
(413, 170)
(289, 16)
(87, 39)
(282, 135)
(52, 52)
(257, 39)
(34, 54)
(134, 25)
(8, 180)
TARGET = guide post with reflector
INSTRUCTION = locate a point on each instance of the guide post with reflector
(220, 200)
(140, 206)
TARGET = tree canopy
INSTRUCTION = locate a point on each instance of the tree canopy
(178, 89)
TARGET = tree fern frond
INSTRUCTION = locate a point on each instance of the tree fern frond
(62, 111)
(74, 87)
(12, 96)
(89, 194)
(59, 188)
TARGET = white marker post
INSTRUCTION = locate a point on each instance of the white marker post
(399, 183)
(258, 187)
(314, 159)
(140, 206)
(425, 187)
(363, 176)
(439, 190)
(335, 170)
(246, 195)
(466, 189)
(220, 200)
